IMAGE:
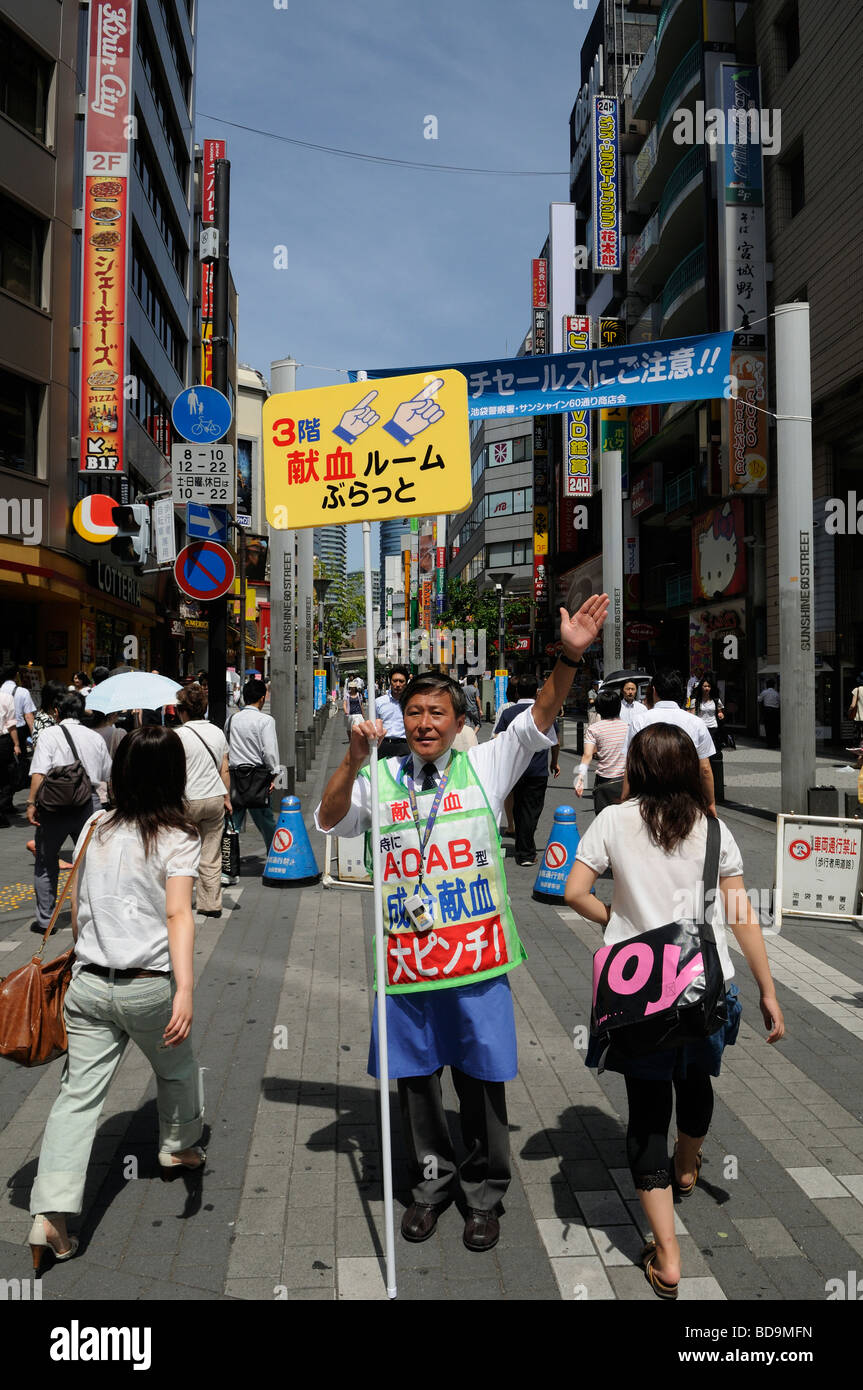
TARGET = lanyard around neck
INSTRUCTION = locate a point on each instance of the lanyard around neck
(432, 816)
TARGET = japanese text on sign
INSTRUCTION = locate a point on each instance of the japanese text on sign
(357, 453)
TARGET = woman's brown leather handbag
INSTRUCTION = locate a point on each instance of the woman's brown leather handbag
(32, 1028)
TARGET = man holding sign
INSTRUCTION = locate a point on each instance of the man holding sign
(451, 936)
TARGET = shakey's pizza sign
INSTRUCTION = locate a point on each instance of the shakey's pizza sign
(108, 130)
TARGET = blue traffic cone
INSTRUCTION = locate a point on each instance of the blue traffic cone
(291, 861)
(559, 857)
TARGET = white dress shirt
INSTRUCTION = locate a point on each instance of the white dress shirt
(52, 751)
(7, 713)
(252, 739)
(389, 712)
(669, 712)
(22, 700)
(497, 765)
(626, 710)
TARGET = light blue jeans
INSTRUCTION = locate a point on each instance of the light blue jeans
(101, 1016)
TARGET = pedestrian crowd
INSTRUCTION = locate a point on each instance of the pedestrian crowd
(147, 809)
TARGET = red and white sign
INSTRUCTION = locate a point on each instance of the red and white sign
(555, 855)
(204, 570)
(282, 840)
(800, 849)
(213, 150)
(107, 131)
(576, 332)
(539, 284)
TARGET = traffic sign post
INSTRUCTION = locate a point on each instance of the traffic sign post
(203, 473)
(204, 571)
(207, 523)
(819, 868)
(201, 414)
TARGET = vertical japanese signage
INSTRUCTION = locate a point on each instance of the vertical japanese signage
(105, 235)
(743, 276)
(539, 284)
(213, 150)
(540, 518)
(613, 432)
(607, 252)
(576, 423)
(540, 332)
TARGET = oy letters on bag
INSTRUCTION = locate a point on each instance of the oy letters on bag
(642, 978)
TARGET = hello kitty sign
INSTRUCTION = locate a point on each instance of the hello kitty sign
(718, 552)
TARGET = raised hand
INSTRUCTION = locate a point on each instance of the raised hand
(577, 632)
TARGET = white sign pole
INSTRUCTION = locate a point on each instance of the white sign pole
(612, 558)
(380, 957)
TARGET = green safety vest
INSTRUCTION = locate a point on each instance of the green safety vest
(474, 936)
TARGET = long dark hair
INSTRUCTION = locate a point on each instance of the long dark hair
(662, 769)
(148, 781)
(699, 693)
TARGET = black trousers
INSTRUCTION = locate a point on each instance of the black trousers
(528, 798)
(485, 1173)
(771, 726)
(607, 791)
(650, 1107)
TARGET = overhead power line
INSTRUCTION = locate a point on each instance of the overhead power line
(385, 159)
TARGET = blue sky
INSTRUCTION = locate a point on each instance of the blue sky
(387, 266)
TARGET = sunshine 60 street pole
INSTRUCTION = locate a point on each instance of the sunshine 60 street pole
(796, 578)
(283, 628)
(217, 611)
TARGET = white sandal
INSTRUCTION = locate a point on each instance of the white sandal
(170, 1160)
(39, 1240)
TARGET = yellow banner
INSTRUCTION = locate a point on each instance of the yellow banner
(396, 446)
(540, 530)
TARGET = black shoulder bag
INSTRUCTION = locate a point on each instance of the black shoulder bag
(250, 783)
(665, 987)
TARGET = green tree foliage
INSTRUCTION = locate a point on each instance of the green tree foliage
(466, 608)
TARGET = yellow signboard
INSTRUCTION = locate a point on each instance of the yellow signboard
(540, 530)
(396, 446)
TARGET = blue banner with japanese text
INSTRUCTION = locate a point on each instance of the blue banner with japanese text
(672, 369)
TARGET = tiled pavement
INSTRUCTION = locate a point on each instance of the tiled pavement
(291, 1204)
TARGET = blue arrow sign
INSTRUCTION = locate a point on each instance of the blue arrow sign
(207, 523)
(201, 414)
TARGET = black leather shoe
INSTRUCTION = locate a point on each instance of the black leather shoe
(481, 1230)
(419, 1221)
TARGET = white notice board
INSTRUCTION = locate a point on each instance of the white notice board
(818, 867)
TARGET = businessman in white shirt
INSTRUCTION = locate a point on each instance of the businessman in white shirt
(252, 742)
(668, 695)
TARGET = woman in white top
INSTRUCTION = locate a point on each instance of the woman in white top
(133, 977)
(655, 843)
(708, 706)
(208, 791)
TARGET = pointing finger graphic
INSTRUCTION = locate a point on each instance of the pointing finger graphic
(365, 400)
(430, 390)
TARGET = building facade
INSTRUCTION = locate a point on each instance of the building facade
(68, 602)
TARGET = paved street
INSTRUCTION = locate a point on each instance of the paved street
(291, 1205)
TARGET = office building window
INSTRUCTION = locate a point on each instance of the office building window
(150, 405)
(175, 43)
(19, 422)
(25, 78)
(788, 33)
(152, 69)
(794, 183)
(509, 503)
(154, 191)
(22, 240)
(155, 306)
(505, 554)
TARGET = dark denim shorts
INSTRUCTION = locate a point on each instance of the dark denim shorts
(674, 1062)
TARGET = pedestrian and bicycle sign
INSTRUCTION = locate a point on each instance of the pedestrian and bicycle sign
(206, 523)
(203, 473)
(367, 452)
(204, 570)
(201, 414)
(282, 840)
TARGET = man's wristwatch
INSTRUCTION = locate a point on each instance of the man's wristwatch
(567, 661)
